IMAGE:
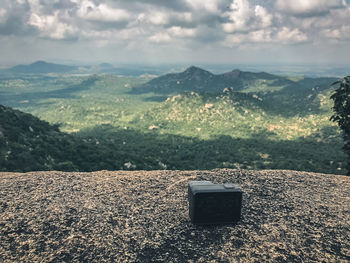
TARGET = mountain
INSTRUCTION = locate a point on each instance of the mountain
(28, 143)
(288, 128)
(200, 80)
(192, 79)
(42, 67)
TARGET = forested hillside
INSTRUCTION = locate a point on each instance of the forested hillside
(116, 122)
(200, 80)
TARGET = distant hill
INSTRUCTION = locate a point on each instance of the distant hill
(42, 67)
(200, 80)
(107, 68)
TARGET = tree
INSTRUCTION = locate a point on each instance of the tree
(341, 108)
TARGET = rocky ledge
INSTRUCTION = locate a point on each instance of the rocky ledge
(142, 216)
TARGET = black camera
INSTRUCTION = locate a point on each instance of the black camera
(214, 203)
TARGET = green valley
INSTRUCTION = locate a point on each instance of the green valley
(189, 120)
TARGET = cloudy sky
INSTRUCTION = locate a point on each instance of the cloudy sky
(176, 31)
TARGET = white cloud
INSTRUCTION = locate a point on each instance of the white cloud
(239, 14)
(88, 10)
(158, 18)
(207, 5)
(162, 18)
(331, 25)
(289, 36)
(160, 38)
(181, 32)
(244, 17)
(332, 33)
(340, 33)
(283, 36)
(50, 26)
(195, 25)
(308, 7)
(2, 15)
(233, 40)
(258, 36)
(262, 15)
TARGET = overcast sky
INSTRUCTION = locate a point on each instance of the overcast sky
(175, 31)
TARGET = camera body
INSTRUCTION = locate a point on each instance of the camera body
(214, 203)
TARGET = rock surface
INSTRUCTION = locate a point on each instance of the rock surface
(142, 216)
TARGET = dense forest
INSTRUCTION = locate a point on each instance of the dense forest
(107, 121)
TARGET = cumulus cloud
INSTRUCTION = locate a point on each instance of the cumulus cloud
(162, 18)
(178, 24)
(332, 33)
(50, 26)
(341, 33)
(13, 18)
(258, 36)
(239, 15)
(244, 17)
(207, 5)
(290, 36)
(48, 20)
(160, 38)
(158, 18)
(263, 16)
(308, 7)
(102, 12)
(181, 32)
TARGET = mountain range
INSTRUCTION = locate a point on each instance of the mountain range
(199, 80)
(41, 67)
(198, 120)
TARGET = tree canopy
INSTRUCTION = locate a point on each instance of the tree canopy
(341, 108)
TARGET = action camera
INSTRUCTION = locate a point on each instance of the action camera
(211, 203)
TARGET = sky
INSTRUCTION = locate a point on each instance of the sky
(315, 32)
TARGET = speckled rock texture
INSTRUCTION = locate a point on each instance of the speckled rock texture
(142, 216)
